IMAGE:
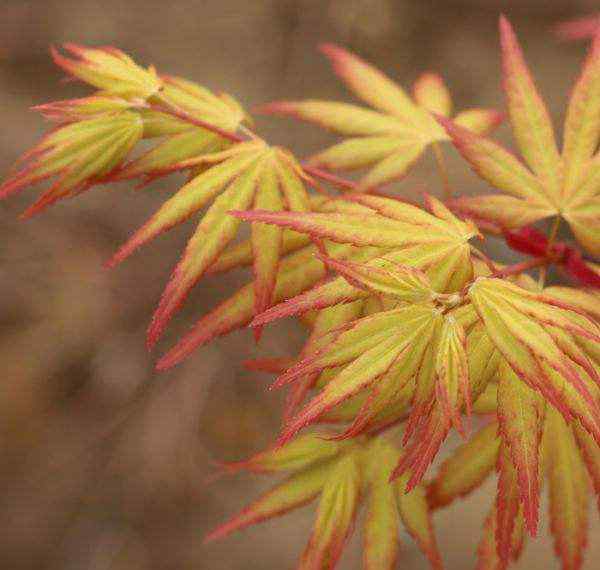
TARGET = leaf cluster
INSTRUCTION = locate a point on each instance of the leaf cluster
(412, 330)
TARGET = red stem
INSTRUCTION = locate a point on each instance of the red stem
(341, 183)
(518, 268)
(337, 181)
(177, 113)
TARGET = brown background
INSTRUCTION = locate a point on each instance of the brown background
(102, 462)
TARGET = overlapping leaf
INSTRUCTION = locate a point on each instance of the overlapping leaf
(110, 70)
(413, 346)
(399, 334)
(297, 272)
(467, 468)
(176, 115)
(428, 424)
(436, 245)
(549, 346)
(391, 138)
(569, 458)
(568, 491)
(343, 476)
(96, 134)
(77, 155)
(246, 175)
(521, 419)
(545, 183)
(388, 342)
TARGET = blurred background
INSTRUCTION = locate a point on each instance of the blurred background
(103, 464)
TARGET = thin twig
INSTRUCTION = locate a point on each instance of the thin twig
(334, 180)
(184, 116)
(489, 263)
(178, 113)
(551, 240)
(519, 268)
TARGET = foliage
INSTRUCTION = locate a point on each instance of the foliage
(412, 330)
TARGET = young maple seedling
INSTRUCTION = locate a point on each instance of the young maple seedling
(412, 330)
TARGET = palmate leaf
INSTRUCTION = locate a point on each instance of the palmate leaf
(171, 115)
(389, 399)
(175, 113)
(95, 135)
(77, 155)
(343, 476)
(246, 175)
(393, 356)
(428, 425)
(567, 455)
(371, 347)
(109, 70)
(297, 272)
(390, 139)
(546, 183)
(372, 355)
(437, 245)
(547, 346)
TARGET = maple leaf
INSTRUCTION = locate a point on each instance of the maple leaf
(78, 155)
(386, 347)
(436, 244)
(547, 342)
(569, 457)
(96, 134)
(298, 271)
(427, 424)
(548, 345)
(398, 356)
(388, 353)
(389, 139)
(245, 175)
(176, 115)
(110, 70)
(344, 476)
(546, 182)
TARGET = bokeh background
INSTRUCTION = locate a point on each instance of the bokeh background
(103, 464)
